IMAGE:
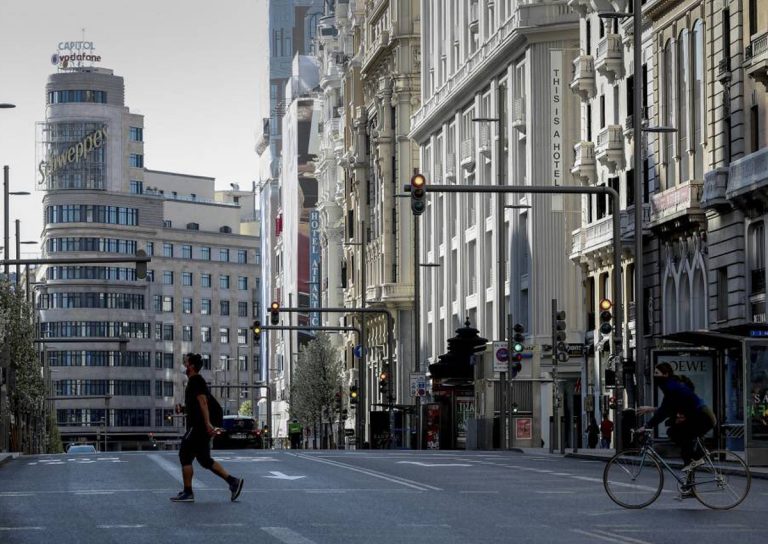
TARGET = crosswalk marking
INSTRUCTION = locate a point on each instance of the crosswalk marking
(284, 534)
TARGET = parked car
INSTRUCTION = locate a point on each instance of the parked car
(238, 432)
(81, 448)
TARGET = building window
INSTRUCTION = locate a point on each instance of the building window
(168, 331)
(205, 253)
(242, 256)
(669, 109)
(224, 281)
(186, 279)
(136, 160)
(63, 97)
(137, 187)
(186, 251)
(242, 283)
(193, 226)
(186, 333)
(150, 248)
(157, 303)
(223, 335)
(224, 307)
(205, 280)
(722, 293)
(186, 305)
(167, 249)
(242, 336)
(683, 84)
(205, 335)
(167, 304)
(167, 277)
(224, 255)
(756, 257)
(136, 134)
(242, 309)
(205, 306)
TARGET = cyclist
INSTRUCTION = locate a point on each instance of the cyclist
(692, 418)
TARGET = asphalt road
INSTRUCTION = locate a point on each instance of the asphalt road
(348, 497)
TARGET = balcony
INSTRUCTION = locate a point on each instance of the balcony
(756, 59)
(373, 293)
(518, 114)
(610, 147)
(397, 294)
(583, 81)
(584, 167)
(591, 237)
(715, 186)
(685, 199)
(450, 167)
(468, 154)
(610, 57)
(485, 139)
(748, 178)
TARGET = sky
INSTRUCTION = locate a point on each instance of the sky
(196, 70)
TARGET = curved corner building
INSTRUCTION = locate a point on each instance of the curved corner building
(112, 343)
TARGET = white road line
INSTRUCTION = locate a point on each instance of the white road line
(609, 538)
(137, 526)
(221, 524)
(554, 492)
(21, 528)
(623, 537)
(374, 474)
(174, 469)
(16, 494)
(480, 492)
(284, 534)
(94, 492)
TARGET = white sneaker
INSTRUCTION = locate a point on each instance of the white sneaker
(693, 464)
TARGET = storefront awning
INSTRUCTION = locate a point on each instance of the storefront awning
(725, 338)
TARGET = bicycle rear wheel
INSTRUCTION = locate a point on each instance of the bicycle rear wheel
(723, 481)
(633, 479)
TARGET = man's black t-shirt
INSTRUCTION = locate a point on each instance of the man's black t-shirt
(196, 386)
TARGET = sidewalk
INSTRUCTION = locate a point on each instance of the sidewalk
(605, 455)
(5, 457)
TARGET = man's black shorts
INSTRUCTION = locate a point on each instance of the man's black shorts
(195, 445)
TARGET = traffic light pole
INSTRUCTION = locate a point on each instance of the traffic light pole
(565, 190)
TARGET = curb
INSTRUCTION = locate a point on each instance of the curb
(760, 473)
(7, 458)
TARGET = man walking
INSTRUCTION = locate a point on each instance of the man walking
(606, 430)
(196, 443)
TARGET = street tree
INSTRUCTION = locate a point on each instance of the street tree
(26, 388)
(317, 377)
(246, 408)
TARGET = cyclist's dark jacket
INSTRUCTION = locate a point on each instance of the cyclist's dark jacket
(678, 399)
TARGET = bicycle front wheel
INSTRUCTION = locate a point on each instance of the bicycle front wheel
(633, 479)
(723, 481)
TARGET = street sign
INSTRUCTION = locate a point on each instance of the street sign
(500, 356)
(349, 432)
(418, 384)
(358, 351)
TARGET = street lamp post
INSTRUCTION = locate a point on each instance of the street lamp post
(6, 210)
(18, 252)
(500, 258)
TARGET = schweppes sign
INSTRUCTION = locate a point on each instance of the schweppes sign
(73, 154)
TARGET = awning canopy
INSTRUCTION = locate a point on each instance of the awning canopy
(725, 338)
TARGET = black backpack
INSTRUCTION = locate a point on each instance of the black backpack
(215, 412)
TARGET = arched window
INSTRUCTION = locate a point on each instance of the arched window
(683, 86)
(698, 299)
(669, 113)
(670, 305)
(697, 106)
(684, 302)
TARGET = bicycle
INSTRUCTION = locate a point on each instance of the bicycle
(634, 478)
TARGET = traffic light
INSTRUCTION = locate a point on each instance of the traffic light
(559, 325)
(141, 268)
(256, 331)
(518, 345)
(418, 194)
(337, 402)
(384, 381)
(610, 377)
(606, 327)
(274, 313)
(353, 395)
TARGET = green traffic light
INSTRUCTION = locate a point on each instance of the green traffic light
(518, 347)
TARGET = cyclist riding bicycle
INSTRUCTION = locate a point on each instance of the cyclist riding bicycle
(691, 417)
